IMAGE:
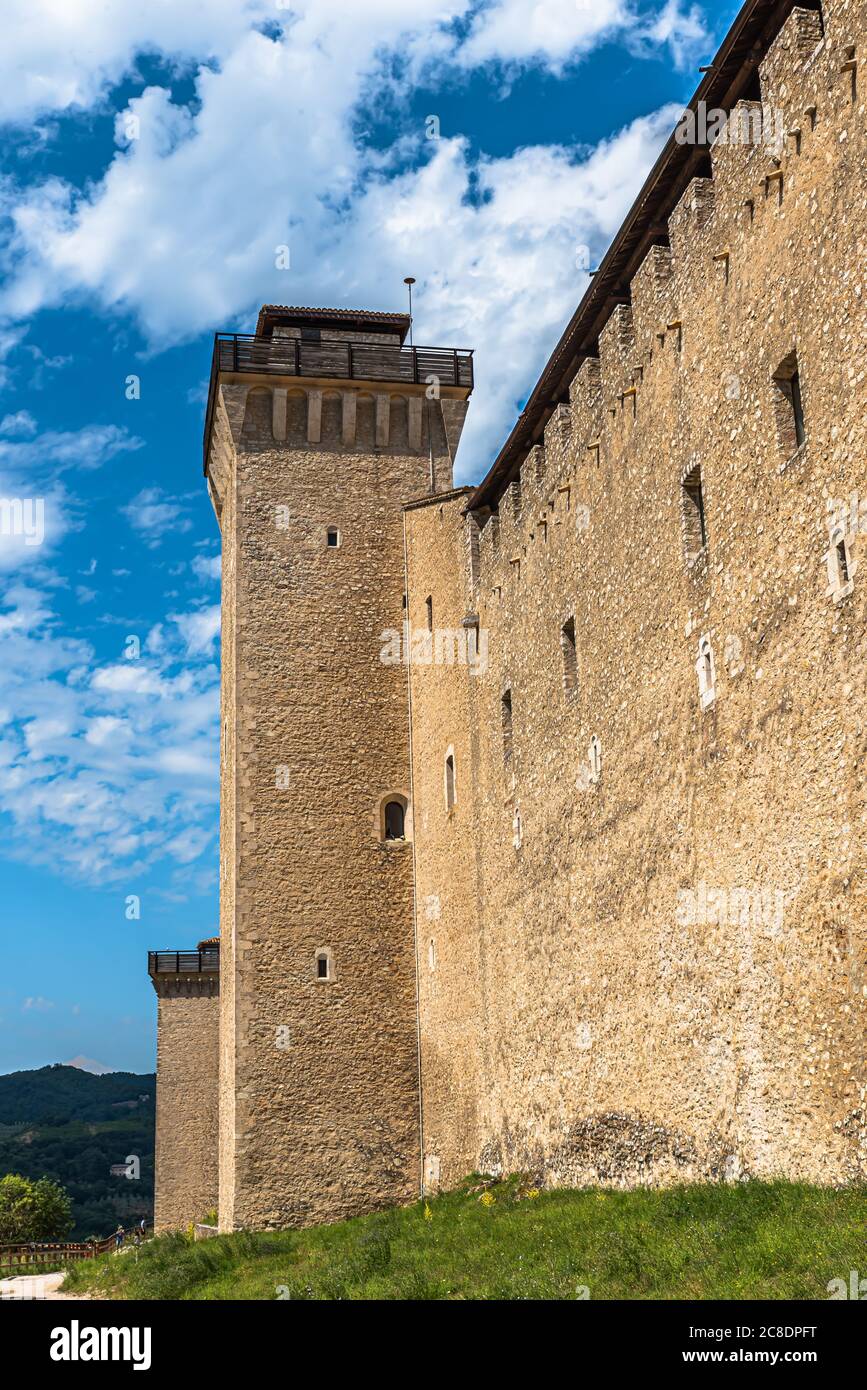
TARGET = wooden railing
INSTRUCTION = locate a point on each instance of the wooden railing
(202, 962)
(31, 1257)
(334, 358)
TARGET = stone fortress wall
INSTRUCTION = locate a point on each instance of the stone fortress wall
(623, 939)
(642, 924)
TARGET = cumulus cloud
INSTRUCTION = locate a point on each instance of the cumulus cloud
(207, 567)
(153, 514)
(486, 239)
(21, 423)
(109, 767)
(199, 629)
(105, 769)
(37, 508)
(551, 31)
(58, 56)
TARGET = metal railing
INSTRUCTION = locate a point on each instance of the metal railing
(202, 962)
(334, 358)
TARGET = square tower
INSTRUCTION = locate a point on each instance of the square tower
(320, 427)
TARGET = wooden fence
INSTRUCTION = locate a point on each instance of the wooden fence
(29, 1258)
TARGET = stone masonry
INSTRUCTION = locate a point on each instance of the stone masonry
(186, 1099)
(617, 691)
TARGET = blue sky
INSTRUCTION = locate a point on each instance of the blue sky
(154, 159)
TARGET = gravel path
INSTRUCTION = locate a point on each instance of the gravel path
(42, 1286)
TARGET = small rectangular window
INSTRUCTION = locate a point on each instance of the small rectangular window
(570, 655)
(789, 406)
(507, 729)
(450, 782)
(694, 520)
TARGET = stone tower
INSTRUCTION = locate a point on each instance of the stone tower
(187, 985)
(320, 427)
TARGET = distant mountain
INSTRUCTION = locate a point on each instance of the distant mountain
(66, 1123)
(88, 1064)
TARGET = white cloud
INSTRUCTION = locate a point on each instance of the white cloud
(207, 567)
(153, 514)
(683, 32)
(37, 1004)
(496, 272)
(104, 769)
(21, 423)
(199, 629)
(553, 31)
(62, 54)
(36, 507)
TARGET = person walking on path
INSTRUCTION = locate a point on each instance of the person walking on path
(118, 1238)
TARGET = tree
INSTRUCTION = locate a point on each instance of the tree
(33, 1210)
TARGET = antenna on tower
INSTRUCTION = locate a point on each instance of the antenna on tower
(409, 281)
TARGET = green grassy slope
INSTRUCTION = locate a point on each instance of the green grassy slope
(755, 1240)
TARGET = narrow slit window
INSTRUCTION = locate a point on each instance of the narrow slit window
(428, 603)
(706, 674)
(797, 409)
(694, 518)
(842, 563)
(507, 729)
(450, 781)
(789, 406)
(323, 966)
(570, 655)
(595, 752)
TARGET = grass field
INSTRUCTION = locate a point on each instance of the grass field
(505, 1241)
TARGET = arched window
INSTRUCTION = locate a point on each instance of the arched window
(393, 819)
(395, 816)
(324, 968)
(450, 781)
